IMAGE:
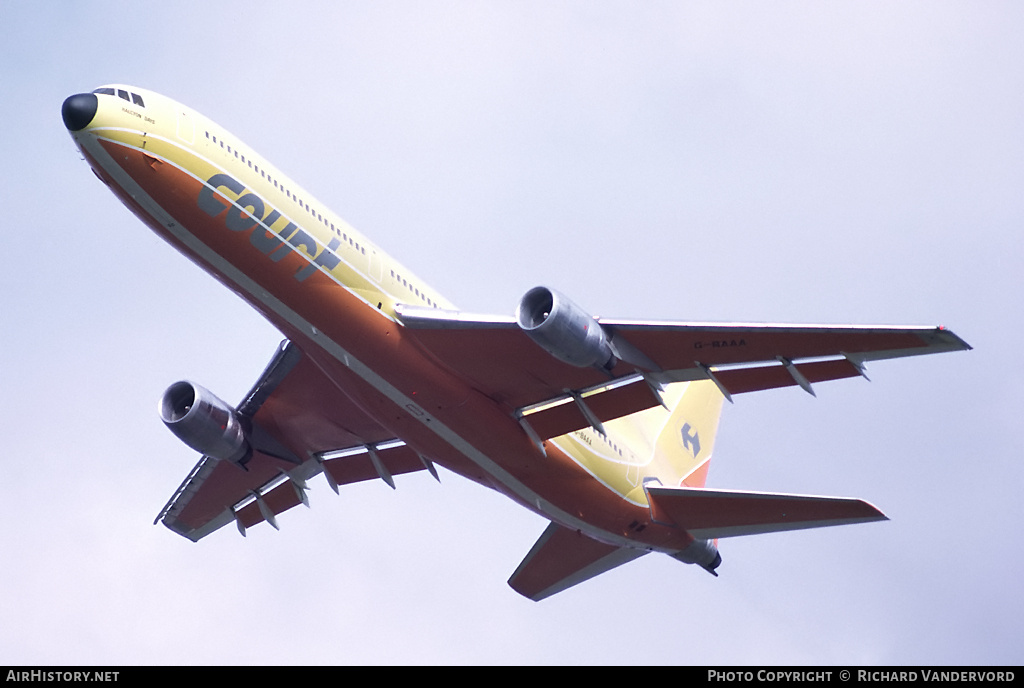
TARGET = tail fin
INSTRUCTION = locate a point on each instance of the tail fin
(686, 437)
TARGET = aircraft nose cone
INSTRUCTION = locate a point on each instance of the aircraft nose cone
(78, 110)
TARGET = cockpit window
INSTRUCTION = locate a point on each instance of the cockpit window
(122, 94)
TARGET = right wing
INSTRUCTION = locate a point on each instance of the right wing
(301, 424)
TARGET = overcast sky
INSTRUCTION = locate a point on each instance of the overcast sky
(841, 162)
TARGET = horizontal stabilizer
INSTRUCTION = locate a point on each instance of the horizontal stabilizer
(709, 514)
(562, 558)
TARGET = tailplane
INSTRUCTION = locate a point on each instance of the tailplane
(562, 558)
(679, 442)
(710, 514)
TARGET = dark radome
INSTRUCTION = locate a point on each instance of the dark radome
(78, 110)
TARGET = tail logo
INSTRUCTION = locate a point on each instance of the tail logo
(691, 441)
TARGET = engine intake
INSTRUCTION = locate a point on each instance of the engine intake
(201, 420)
(564, 330)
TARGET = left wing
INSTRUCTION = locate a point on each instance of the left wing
(300, 424)
(552, 398)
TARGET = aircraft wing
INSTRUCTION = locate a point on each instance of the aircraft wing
(301, 424)
(552, 398)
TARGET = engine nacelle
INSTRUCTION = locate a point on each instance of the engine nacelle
(204, 422)
(564, 330)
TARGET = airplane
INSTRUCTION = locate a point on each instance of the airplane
(603, 427)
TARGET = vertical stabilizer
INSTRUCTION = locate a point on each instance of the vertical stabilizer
(686, 438)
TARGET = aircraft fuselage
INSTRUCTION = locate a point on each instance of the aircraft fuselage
(331, 291)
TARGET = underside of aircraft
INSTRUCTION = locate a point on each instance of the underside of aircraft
(605, 427)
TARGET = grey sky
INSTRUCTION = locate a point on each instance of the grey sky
(801, 162)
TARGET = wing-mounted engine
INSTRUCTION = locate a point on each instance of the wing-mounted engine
(564, 330)
(205, 423)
